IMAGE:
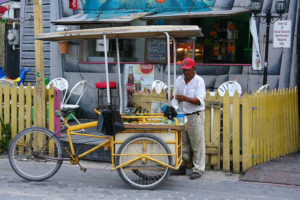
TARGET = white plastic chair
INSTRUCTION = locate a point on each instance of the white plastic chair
(76, 91)
(158, 86)
(264, 88)
(62, 85)
(5, 81)
(231, 87)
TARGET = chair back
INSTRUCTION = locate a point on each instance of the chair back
(77, 90)
(231, 87)
(61, 84)
(5, 81)
(264, 88)
(158, 86)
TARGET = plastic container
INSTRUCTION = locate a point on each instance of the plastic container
(180, 118)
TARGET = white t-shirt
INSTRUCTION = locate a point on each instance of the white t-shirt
(194, 89)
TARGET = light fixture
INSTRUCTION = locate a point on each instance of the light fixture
(268, 18)
(280, 6)
(256, 6)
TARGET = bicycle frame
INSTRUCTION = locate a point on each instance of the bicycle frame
(111, 142)
(70, 130)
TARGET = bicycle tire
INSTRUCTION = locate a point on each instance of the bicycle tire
(32, 155)
(152, 175)
(144, 176)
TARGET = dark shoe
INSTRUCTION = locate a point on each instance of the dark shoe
(196, 175)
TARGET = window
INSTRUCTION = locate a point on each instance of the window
(17, 13)
(126, 49)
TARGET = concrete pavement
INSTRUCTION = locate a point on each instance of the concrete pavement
(284, 170)
(101, 183)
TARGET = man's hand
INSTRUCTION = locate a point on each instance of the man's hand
(182, 98)
(179, 97)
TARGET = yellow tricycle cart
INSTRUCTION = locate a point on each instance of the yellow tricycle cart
(144, 153)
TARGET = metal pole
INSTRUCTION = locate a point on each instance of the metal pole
(194, 47)
(169, 74)
(106, 70)
(268, 20)
(119, 76)
(174, 58)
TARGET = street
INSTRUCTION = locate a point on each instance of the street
(101, 183)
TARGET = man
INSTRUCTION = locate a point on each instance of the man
(190, 93)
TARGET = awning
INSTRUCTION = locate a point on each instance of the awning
(3, 1)
(199, 13)
(94, 18)
(123, 32)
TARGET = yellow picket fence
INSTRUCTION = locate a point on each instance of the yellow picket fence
(240, 131)
(18, 105)
(245, 131)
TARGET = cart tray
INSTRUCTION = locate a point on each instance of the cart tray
(154, 126)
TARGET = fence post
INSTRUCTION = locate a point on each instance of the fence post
(21, 111)
(1, 110)
(28, 94)
(255, 115)
(39, 64)
(272, 125)
(265, 124)
(14, 116)
(281, 120)
(236, 133)
(215, 159)
(246, 131)
(6, 104)
(297, 118)
(293, 117)
(278, 121)
(51, 108)
(226, 132)
(261, 140)
(207, 128)
(268, 127)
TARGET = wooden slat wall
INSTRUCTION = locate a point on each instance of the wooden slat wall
(27, 47)
(254, 129)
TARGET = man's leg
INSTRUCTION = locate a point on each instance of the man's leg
(197, 139)
(185, 146)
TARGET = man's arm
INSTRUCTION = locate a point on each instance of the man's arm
(181, 98)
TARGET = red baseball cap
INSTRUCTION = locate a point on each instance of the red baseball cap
(188, 63)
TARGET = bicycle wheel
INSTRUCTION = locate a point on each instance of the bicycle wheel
(35, 154)
(144, 173)
(145, 176)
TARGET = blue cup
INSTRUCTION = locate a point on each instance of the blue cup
(180, 118)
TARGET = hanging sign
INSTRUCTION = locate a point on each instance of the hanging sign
(155, 51)
(282, 34)
(256, 57)
(74, 4)
(160, 1)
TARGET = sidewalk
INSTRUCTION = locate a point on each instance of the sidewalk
(284, 170)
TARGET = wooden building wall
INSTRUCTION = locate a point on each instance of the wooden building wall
(2, 43)
(27, 54)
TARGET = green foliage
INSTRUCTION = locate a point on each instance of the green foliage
(6, 136)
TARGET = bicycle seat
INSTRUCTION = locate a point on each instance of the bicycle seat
(64, 112)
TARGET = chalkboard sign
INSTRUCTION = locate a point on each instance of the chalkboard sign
(156, 51)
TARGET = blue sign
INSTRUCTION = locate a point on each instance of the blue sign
(132, 6)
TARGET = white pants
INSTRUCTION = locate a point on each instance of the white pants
(194, 139)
